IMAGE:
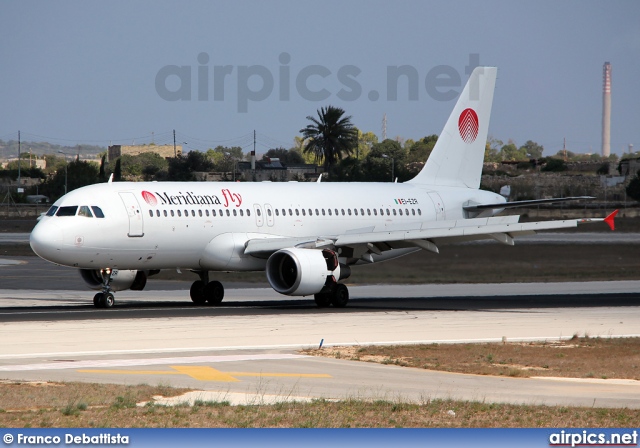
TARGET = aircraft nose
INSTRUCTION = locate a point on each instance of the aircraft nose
(46, 240)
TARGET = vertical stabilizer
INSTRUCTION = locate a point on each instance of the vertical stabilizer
(456, 159)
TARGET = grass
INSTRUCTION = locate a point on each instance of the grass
(575, 358)
(351, 413)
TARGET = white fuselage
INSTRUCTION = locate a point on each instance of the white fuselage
(205, 226)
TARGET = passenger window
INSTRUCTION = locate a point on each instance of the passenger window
(342, 212)
(349, 211)
(235, 212)
(67, 211)
(413, 211)
(369, 211)
(406, 212)
(362, 212)
(277, 212)
(186, 213)
(164, 211)
(297, 212)
(388, 212)
(419, 212)
(248, 212)
(310, 212)
(200, 213)
(158, 213)
(322, 212)
(213, 213)
(400, 211)
(172, 215)
(318, 213)
(336, 210)
(303, 213)
(84, 211)
(269, 211)
(329, 210)
(241, 212)
(394, 212)
(375, 211)
(229, 214)
(207, 212)
(179, 213)
(151, 213)
(258, 212)
(52, 210)
(284, 212)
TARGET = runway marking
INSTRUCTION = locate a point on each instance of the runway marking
(207, 373)
(147, 362)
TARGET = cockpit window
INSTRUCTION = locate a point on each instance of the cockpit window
(67, 211)
(97, 211)
(85, 211)
(52, 210)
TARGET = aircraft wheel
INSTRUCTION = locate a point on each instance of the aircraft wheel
(214, 292)
(108, 300)
(197, 292)
(98, 299)
(323, 300)
(340, 296)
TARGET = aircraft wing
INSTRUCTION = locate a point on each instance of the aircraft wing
(502, 229)
(512, 204)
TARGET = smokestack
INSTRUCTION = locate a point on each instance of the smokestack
(606, 110)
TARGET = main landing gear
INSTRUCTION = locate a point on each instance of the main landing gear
(338, 296)
(105, 298)
(203, 291)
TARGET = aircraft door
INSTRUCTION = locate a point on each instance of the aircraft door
(269, 212)
(134, 212)
(259, 218)
(438, 203)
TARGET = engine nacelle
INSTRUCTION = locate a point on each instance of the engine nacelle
(120, 279)
(302, 272)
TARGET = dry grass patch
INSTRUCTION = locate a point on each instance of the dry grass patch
(318, 414)
(577, 358)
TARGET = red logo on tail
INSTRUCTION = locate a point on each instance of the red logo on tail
(468, 125)
(149, 198)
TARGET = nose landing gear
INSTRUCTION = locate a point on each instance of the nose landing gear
(105, 298)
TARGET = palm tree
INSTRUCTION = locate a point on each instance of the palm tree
(330, 136)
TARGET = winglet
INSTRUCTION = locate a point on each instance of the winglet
(609, 219)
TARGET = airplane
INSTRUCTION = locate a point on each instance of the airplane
(305, 236)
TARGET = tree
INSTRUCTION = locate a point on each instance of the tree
(385, 157)
(79, 174)
(102, 174)
(286, 156)
(421, 150)
(511, 152)
(555, 165)
(633, 189)
(330, 136)
(117, 171)
(532, 149)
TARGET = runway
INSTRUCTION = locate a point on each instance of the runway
(249, 348)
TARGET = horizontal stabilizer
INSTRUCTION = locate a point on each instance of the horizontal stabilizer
(513, 204)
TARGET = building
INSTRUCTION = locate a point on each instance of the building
(276, 171)
(166, 151)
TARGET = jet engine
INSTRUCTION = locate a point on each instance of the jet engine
(302, 272)
(120, 279)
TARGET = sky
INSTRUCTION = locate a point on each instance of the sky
(127, 72)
